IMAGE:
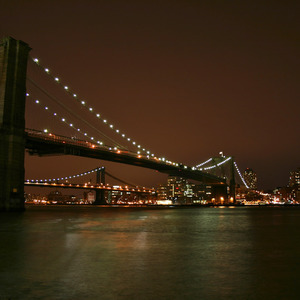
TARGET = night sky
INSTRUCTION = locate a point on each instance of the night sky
(186, 79)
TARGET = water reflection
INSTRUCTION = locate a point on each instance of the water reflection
(207, 253)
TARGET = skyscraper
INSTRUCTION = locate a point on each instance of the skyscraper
(250, 178)
(175, 189)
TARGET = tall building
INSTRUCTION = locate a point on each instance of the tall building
(294, 178)
(250, 178)
(176, 187)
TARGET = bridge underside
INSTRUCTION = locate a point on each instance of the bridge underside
(39, 146)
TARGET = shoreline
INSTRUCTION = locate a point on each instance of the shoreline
(145, 206)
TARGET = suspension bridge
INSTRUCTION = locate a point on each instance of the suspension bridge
(15, 138)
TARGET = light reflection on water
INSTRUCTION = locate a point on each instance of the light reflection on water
(112, 253)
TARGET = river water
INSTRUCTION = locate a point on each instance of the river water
(136, 253)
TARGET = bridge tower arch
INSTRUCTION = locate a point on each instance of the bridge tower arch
(100, 194)
(13, 67)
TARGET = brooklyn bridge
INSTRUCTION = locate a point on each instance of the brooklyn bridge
(15, 138)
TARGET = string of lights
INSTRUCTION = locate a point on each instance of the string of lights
(84, 104)
(84, 174)
(75, 115)
(242, 178)
(67, 177)
(86, 135)
(224, 161)
(64, 120)
(213, 166)
(204, 163)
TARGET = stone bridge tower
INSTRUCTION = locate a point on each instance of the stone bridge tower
(13, 66)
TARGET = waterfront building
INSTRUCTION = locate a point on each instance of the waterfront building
(202, 193)
(181, 191)
(250, 178)
(56, 197)
(288, 194)
(189, 193)
(175, 189)
(162, 192)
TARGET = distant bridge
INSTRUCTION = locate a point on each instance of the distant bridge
(89, 187)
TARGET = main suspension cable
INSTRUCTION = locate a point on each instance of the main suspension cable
(53, 98)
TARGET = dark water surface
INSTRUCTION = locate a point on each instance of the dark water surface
(127, 253)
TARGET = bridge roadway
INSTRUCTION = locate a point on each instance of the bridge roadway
(44, 144)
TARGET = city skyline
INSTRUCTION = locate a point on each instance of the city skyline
(187, 80)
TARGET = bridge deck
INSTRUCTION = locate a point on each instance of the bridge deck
(39, 143)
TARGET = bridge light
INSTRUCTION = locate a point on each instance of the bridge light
(82, 102)
(63, 119)
(27, 95)
(37, 101)
(105, 121)
(66, 88)
(56, 79)
(117, 130)
(74, 95)
(47, 70)
(45, 130)
(111, 126)
(71, 125)
(54, 114)
(91, 109)
(128, 139)
(46, 107)
(36, 60)
(98, 115)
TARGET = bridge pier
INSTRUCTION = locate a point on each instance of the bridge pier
(13, 66)
(100, 194)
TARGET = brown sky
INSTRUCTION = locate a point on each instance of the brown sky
(187, 79)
